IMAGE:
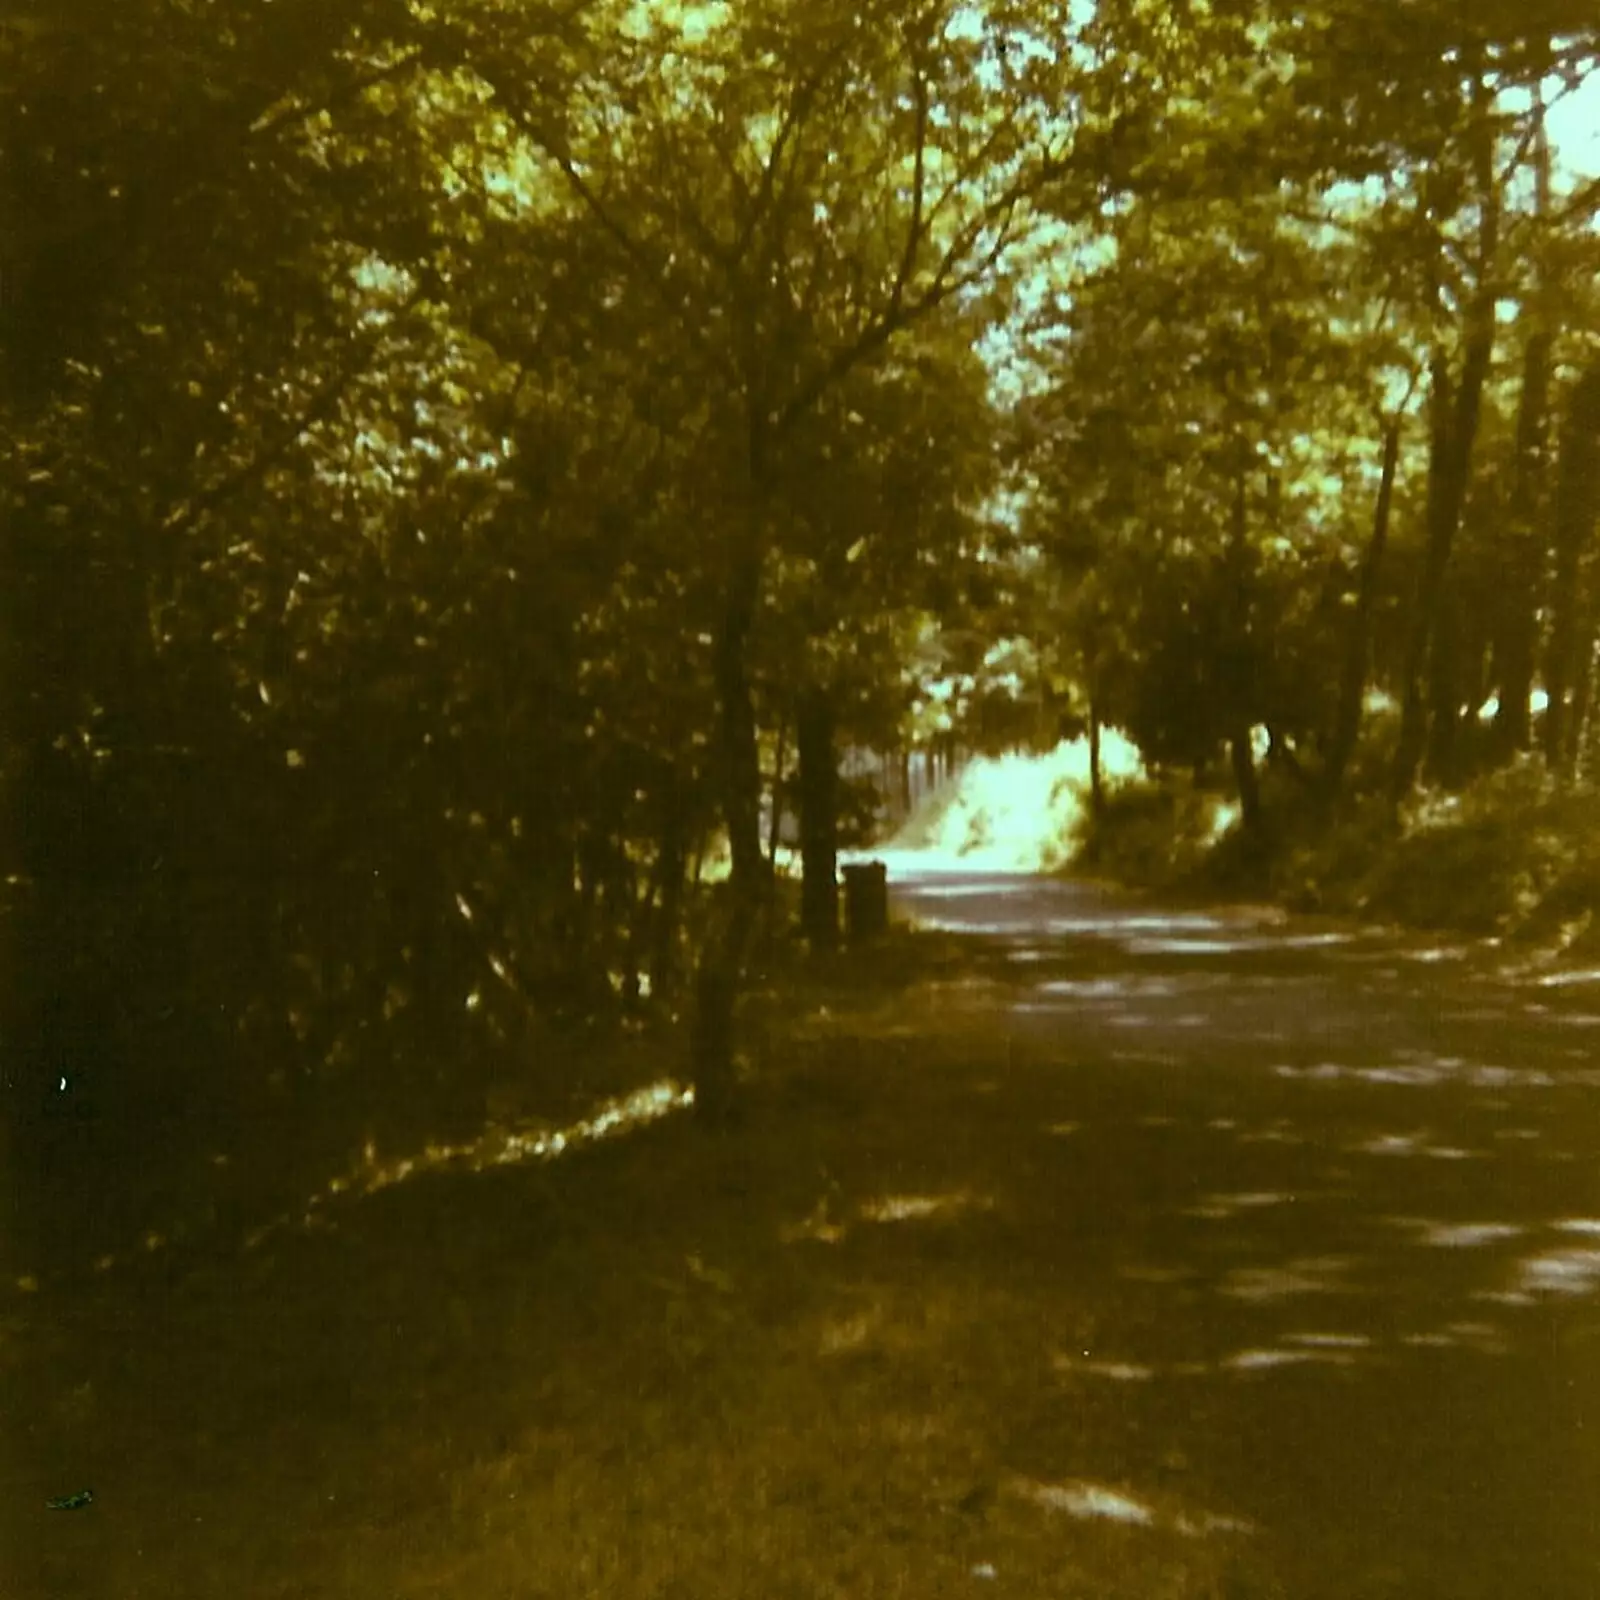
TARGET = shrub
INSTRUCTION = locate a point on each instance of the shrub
(1151, 833)
(1489, 859)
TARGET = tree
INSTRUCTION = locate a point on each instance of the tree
(881, 488)
(1184, 457)
(1568, 666)
(794, 188)
(233, 399)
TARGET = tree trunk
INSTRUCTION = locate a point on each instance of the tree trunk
(1242, 758)
(1576, 492)
(1522, 572)
(1455, 414)
(1455, 422)
(1282, 754)
(1580, 721)
(775, 825)
(819, 820)
(670, 864)
(1358, 647)
(1237, 674)
(1444, 691)
(1097, 788)
(727, 946)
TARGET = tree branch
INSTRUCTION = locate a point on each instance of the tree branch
(908, 257)
(650, 271)
(795, 115)
(270, 122)
(1000, 216)
(1580, 207)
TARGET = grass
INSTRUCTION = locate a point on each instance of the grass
(777, 1363)
(947, 1313)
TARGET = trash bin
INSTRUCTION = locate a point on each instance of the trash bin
(866, 900)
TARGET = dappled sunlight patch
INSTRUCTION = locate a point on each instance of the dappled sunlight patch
(1279, 1131)
(1503, 1297)
(1292, 1350)
(1457, 1235)
(1171, 946)
(495, 1147)
(1559, 1274)
(501, 1147)
(1117, 1371)
(1419, 1069)
(1120, 990)
(922, 1207)
(1085, 1500)
(1062, 1130)
(1478, 1336)
(1027, 955)
(1309, 941)
(1411, 1144)
(1261, 1360)
(1331, 1071)
(1330, 1341)
(1233, 942)
(1220, 1206)
(1311, 1275)
(1561, 980)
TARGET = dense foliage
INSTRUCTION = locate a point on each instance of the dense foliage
(458, 459)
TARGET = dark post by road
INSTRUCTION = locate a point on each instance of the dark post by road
(866, 901)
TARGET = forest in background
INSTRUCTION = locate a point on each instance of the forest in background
(469, 470)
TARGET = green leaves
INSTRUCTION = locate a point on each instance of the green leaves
(442, 396)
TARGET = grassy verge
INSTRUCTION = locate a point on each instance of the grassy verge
(1514, 857)
(814, 1359)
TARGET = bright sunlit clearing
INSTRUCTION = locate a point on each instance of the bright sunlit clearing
(1013, 813)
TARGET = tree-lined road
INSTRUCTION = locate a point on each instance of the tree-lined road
(1349, 1179)
(1133, 1253)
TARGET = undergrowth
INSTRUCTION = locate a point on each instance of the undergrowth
(1515, 855)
